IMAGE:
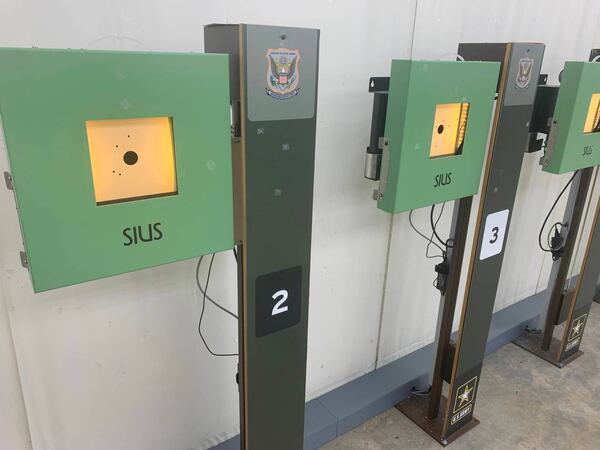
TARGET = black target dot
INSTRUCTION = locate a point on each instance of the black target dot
(130, 158)
(440, 129)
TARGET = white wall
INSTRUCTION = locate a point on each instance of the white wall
(14, 433)
(118, 364)
(439, 26)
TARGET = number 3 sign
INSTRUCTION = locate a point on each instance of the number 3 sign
(278, 299)
(493, 234)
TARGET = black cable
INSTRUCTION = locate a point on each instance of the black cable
(550, 250)
(204, 297)
(420, 391)
(443, 255)
(428, 239)
(442, 269)
(530, 330)
(434, 225)
(214, 302)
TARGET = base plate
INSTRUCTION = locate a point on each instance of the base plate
(415, 408)
(533, 344)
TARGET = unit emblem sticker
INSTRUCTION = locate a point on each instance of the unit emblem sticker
(524, 73)
(283, 75)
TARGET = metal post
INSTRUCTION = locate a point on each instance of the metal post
(569, 306)
(273, 150)
(455, 254)
(459, 363)
(560, 269)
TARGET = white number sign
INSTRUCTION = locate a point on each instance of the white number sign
(493, 234)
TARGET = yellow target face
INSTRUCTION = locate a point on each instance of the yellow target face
(132, 158)
(449, 128)
(592, 120)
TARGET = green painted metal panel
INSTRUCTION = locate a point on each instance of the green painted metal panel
(410, 178)
(574, 149)
(46, 97)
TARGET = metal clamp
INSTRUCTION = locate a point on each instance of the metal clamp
(24, 260)
(550, 142)
(8, 179)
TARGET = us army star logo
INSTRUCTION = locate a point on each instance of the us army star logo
(577, 327)
(465, 394)
(465, 397)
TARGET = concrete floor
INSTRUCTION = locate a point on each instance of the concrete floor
(523, 403)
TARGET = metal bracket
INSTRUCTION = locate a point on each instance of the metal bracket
(24, 260)
(379, 84)
(550, 142)
(385, 162)
(8, 179)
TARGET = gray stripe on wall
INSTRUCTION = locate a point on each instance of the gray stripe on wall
(344, 408)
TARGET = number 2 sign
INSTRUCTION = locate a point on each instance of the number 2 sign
(278, 300)
(279, 307)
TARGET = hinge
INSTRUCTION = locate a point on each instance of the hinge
(24, 260)
(9, 181)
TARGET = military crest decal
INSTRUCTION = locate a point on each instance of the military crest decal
(283, 75)
(524, 73)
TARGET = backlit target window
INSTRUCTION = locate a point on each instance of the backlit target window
(132, 158)
(449, 128)
(592, 120)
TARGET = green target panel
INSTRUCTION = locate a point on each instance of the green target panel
(437, 123)
(120, 160)
(574, 142)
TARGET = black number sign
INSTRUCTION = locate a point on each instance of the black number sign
(278, 296)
